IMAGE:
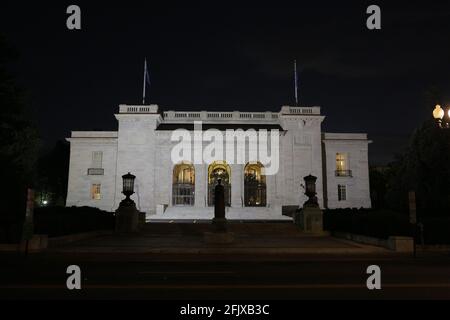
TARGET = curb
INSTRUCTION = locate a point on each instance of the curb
(211, 251)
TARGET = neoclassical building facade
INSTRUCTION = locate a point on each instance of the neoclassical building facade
(164, 189)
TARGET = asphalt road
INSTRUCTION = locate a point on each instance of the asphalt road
(114, 276)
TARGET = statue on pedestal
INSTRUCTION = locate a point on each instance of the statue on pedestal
(220, 235)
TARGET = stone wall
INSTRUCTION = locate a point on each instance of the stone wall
(82, 145)
(355, 146)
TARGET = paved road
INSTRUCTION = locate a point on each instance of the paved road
(223, 277)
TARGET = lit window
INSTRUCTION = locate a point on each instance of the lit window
(341, 162)
(97, 158)
(95, 192)
(342, 192)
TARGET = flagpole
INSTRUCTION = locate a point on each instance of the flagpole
(296, 84)
(143, 90)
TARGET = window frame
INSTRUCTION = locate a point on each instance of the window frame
(342, 192)
(96, 191)
(344, 161)
(97, 162)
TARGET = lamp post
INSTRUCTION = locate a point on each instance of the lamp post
(442, 117)
(127, 216)
(128, 188)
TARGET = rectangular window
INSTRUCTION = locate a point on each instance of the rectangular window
(342, 192)
(341, 162)
(96, 192)
(97, 158)
(342, 165)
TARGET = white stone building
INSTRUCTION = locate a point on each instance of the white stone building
(166, 190)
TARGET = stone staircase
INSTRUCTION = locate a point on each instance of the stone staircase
(240, 214)
(255, 230)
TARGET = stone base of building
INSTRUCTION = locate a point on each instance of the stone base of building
(218, 237)
(310, 220)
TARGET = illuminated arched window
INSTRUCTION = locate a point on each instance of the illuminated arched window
(183, 187)
(254, 185)
(219, 170)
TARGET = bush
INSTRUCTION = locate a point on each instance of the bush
(60, 221)
(436, 230)
(10, 230)
(373, 223)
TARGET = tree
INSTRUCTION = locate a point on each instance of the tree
(378, 182)
(19, 142)
(425, 169)
(53, 168)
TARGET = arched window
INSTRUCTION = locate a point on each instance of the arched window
(219, 170)
(183, 187)
(254, 185)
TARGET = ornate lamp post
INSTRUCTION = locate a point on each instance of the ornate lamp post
(128, 188)
(442, 117)
(127, 216)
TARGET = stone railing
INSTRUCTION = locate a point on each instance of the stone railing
(220, 116)
(230, 115)
(300, 110)
(344, 173)
(123, 108)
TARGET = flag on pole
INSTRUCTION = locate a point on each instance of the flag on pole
(295, 83)
(146, 81)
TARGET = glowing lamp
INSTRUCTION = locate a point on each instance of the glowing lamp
(439, 113)
(128, 184)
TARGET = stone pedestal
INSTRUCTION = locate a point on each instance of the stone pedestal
(401, 244)
(142, 219)
(310, 219)
(127, 217)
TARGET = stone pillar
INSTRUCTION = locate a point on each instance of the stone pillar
(201, 185)
(237, 182)
(271, 192)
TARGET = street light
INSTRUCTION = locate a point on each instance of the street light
(442, 117)
(127, 216)
(128, 186)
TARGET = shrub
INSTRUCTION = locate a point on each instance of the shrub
(59, 221)
(436, 230)
(374, 223)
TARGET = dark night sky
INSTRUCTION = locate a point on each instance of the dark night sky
(233, 56)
